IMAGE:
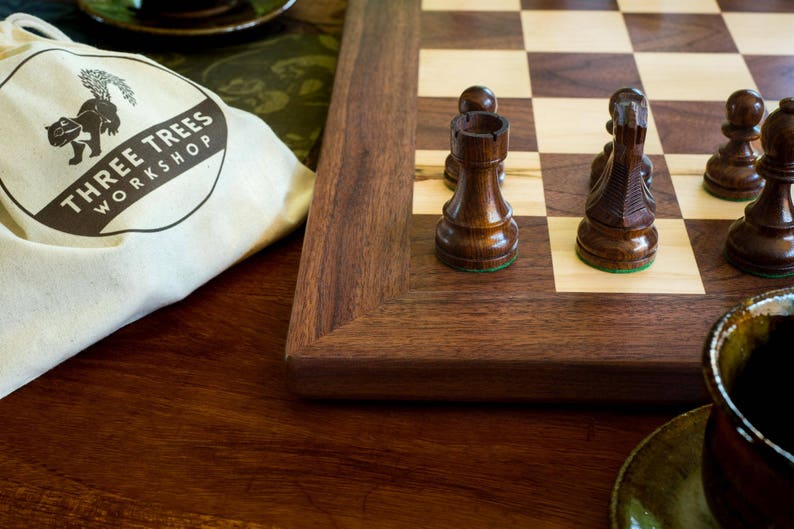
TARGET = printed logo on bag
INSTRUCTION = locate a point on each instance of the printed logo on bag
(133, 146)
(97, 115)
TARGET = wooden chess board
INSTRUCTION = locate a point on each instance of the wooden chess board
(376, 315)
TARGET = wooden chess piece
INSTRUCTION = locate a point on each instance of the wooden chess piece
(762, 242)
(477, 231)
(730, 173)
(617, 233)
(474, 98)
(600, 161)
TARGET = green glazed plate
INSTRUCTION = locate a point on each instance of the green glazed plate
(123, 14)
(659, 486)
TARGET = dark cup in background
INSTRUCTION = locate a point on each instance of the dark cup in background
(748, 453)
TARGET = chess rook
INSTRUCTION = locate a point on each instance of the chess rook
(730, 173)
(477, 231)
(762, 242)
(474, 98)
(600, 161)
(618, 233)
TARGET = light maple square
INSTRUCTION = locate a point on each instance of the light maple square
(686, 172)
(430, 192)
(522, 187)
(669, 6)
(471, 5)
(577, 125)
(446, 73)
(761, 33)
(692, 76)
(575, 31)
(674, 271)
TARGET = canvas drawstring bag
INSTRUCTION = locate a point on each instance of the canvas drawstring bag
(123, 187)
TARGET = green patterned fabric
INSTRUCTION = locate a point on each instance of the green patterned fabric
(285, 80)
(283, 76)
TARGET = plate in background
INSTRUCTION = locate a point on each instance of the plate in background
(125, 15)
(659, 486)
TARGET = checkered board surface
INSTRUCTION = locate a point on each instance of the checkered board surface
(377, 315)
(553, 71)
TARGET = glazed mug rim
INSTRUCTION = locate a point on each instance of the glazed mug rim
(714, 381)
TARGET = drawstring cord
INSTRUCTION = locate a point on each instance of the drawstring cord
(25, 21)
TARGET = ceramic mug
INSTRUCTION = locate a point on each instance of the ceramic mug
(748, 453)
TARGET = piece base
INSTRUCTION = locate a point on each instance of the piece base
(472, 265)
(623, 267)
(760, 271)
(734, 195)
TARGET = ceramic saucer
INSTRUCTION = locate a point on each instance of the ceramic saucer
(123, 14)
(659, 486)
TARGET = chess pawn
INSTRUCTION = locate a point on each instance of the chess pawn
(617, 233)
(474, 98)
(600, 161)
(731, 173)
(477, 231)
(762, 242)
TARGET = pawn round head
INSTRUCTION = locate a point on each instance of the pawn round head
(777, 134)
(744, 108)
(477, 98)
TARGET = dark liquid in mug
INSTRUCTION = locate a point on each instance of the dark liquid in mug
(763, 391)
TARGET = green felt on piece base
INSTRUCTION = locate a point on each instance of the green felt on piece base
(729, 199)
(485, 270)
(753, 272)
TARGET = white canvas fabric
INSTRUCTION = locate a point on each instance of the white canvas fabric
(123, 187)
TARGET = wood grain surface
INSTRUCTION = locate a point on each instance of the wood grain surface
(183, 420)
(377, 316)
(370, 98)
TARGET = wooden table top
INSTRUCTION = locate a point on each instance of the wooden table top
(183, 419)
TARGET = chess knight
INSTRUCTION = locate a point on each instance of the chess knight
(618, 233)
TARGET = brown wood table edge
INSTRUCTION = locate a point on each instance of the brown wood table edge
(367, 112)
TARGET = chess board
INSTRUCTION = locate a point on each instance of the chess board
(377, 316)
